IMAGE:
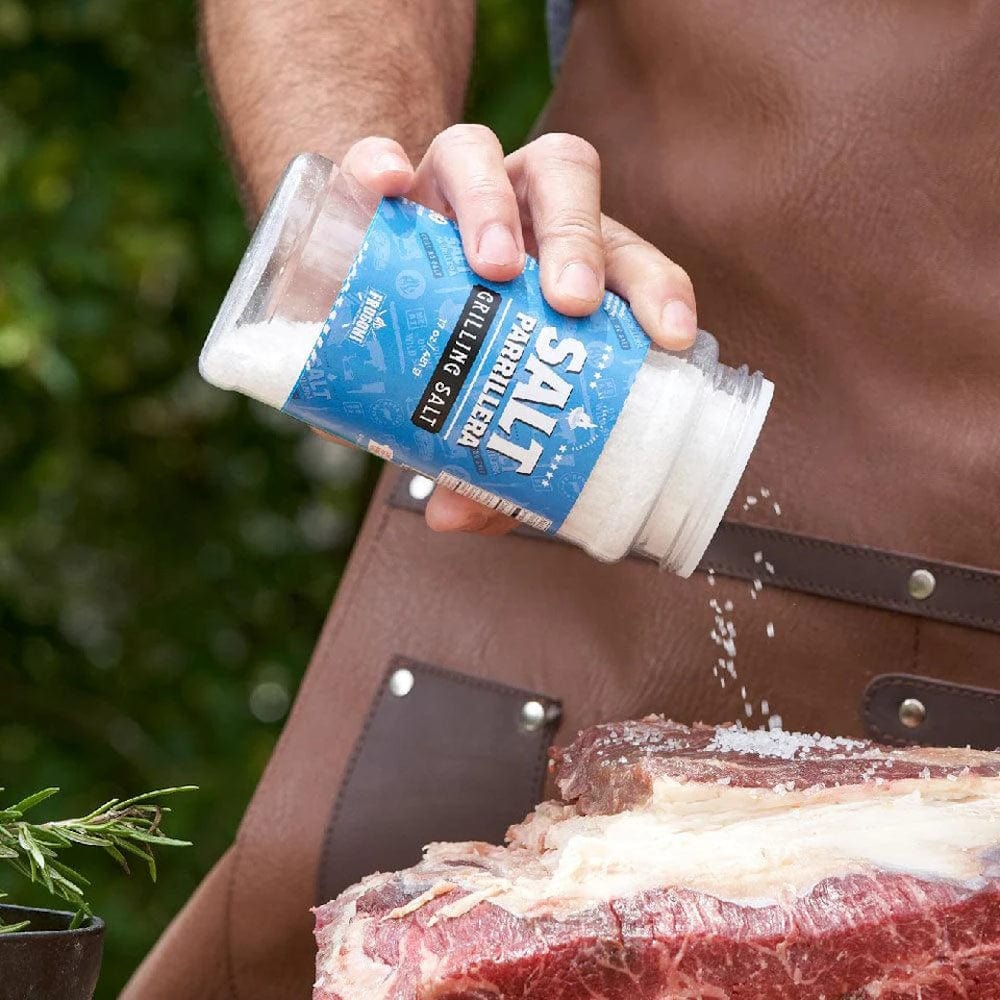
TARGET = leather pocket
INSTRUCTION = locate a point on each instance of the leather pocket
(442, 756)
(902, 708)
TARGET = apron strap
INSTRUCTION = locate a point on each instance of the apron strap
(902, 708)
(961, 595)
(942, 591)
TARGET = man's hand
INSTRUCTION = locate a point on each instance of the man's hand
(543, 199)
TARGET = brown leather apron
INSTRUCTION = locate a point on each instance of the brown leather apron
(830, 176)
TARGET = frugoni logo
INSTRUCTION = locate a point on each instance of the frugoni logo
(368, 317)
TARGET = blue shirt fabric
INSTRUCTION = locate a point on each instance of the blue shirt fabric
(558, 17)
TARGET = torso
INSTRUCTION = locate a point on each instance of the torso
(830, 177)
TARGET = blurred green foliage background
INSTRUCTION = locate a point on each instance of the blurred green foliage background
(167, 551)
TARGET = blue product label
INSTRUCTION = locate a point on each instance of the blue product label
(480, 386)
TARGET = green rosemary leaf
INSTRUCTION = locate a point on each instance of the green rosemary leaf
(14, 928)
(157, 838)
(118, 827)
(87, 839)
(49, 840)
(158, 794)
(28, 842)
(103, 808)
(70, 875)
(32, 800)
(115, 852)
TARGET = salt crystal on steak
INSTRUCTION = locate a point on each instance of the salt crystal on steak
(707, 863)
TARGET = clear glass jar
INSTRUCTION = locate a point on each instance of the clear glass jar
(671, 462)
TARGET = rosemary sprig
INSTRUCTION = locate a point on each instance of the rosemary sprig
(120, 827)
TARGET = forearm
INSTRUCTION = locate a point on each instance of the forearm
(315, 75)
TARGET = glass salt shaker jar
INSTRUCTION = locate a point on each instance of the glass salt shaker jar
(361, 317)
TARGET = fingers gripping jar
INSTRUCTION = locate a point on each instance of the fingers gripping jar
(362, 317)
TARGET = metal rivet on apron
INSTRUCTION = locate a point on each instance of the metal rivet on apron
(921, 584)
(912, 713)
(421, 487)
(532, 715)
(401, 683)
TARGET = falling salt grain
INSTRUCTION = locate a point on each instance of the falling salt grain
(765, 492)
(765, 708)
(774, 722)
(769, 567)
(758, 557)
(777, 509)
(743, 691)
(728, 606)
(770, 630)
(748, 709)
(752, 500)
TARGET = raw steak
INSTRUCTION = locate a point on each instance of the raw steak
(704, 864)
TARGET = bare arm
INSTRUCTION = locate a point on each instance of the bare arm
(316, 75)
(377, 86)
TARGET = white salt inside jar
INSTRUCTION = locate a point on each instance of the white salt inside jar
(671, 461)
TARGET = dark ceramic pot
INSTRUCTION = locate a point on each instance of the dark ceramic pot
(46, 961)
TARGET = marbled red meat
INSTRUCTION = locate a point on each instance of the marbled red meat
(700, 864)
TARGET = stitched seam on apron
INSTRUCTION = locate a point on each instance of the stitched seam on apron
(786, 538)
(471, 680)
(933, 687)
(863, 552)
(352, 763)
(236, 848)
(866, 711)
(537, 777)
(810, 585)
(867, 597)
(920, 685)
(230, 901)
(497, 688)
(330, 640)
(428, 668)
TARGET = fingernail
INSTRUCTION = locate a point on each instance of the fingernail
(498, 246)
(391, 163)
(579, 281)
(678, 322)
